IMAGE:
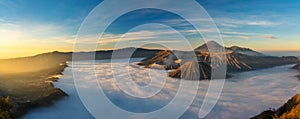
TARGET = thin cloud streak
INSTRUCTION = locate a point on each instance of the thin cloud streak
(244, 37)
(268, 36)
(242, 22)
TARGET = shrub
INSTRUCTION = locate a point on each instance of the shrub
(5, 108)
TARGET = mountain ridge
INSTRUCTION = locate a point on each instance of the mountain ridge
(232, 49)
(47, 60)
(236, 61)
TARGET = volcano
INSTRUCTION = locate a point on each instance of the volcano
(197, 64)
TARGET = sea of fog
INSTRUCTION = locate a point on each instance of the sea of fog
(283, 53)
(244, 96)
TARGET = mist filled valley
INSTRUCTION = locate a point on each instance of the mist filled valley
(44, 85)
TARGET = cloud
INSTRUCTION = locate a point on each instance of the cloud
(153, 31)
(238, 33)
(15, 35)
(228, 25)
(268, 37)
(137, 35)
(200, 31)
(225, 22)
(244, 37)
(229, 22)
(260, 23)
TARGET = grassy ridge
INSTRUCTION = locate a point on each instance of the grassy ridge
(290, 110)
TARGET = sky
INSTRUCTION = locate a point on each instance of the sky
(33, 26)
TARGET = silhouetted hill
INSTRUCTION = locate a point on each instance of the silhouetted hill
(33, 63)
(124, 53)
(53, 59)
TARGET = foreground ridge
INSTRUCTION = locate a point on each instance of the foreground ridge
(290, 110)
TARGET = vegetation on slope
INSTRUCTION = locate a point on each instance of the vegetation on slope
(5, 108)
(290, 110)
(28, 81)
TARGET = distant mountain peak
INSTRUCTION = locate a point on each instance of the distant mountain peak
(210, 44)
(238, 48)
(214, 46)
(245, 51)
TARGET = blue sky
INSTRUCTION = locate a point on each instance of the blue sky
(35, 26)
